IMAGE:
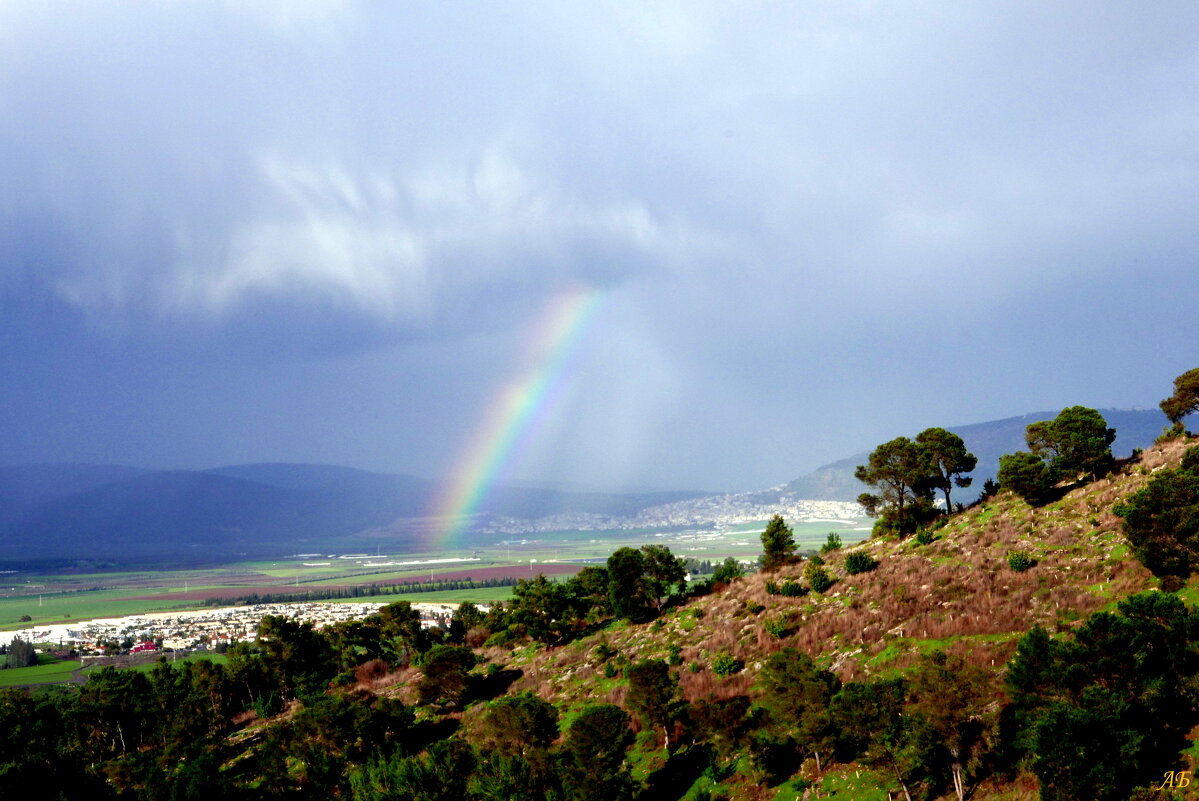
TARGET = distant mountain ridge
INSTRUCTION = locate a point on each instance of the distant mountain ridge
(76, 511)
(1135, 428)
(119, 513)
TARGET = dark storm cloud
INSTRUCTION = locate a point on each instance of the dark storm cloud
(809, 222)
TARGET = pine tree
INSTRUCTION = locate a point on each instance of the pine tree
(778, 545)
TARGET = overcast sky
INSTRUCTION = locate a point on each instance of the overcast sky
(325, 231)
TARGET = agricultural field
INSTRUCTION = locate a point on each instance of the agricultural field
(84, 594)
(48, 670)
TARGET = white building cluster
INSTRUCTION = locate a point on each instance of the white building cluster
(207, 628)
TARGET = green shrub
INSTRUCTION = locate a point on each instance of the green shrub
(859, 562)
(753, 607)
(818, 578)
(793, 589)
(725, 664)
(727, 571)
(924, 536)
(610, 670)
(1020, 561)
(832, 543)
(777, 627)
(676, 656)
(695, 667)
(772, 587)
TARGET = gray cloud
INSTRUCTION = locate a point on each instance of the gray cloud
(809, 221)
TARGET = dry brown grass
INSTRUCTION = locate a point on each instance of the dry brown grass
(958, 590)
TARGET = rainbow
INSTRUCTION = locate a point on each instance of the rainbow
(514, 411)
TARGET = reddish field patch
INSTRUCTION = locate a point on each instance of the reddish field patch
(478, 574)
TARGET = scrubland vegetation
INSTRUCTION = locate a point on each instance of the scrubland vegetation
(1029, 645)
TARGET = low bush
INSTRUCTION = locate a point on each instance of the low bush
(859, 562)
(725, 664)
(1020, 561)
(818, 578)
(793, 589)
(777, 627)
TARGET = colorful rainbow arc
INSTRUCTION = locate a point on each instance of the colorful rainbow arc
(514, 411)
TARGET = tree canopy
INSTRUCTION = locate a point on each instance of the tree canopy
(1185, 399)
(1075, 445)
(901, 472)
(948, 459)
(1161, 520)
(778, 544)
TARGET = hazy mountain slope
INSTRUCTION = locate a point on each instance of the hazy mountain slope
(164, 515)
(74, 511)
(1135, 428)
(28, 486)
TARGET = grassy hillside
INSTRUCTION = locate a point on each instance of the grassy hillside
(956, 594)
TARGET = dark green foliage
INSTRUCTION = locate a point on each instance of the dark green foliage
(542, 606)
(333, 733)
(1075, 443)
(640, 581)
(626, 588)
(466, 617)
(872, 728)
(724, 724)
(792, 589)
(1161, 520)
(1185, 399)
(445, 676)
(949, 461)
(441, 774)
(654, 695)
(833, 542)
(1020, 561)
(593, 755)
(300, 658)
(19, 653)
(924, 536)
(727, 571)
(948, 700)
(1111, 704)
(400, 621)
(901, 472)
(778, 545)
(664, 574)
(519, 724)
(503, 778)
(859, 562)
(818, 578)
(725, 664)
(796, 695)
(772, 587)
(1025, 474)
(588, 590)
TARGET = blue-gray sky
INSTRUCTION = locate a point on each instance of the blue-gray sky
(259, 230)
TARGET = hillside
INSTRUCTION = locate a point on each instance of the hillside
(957, 594)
